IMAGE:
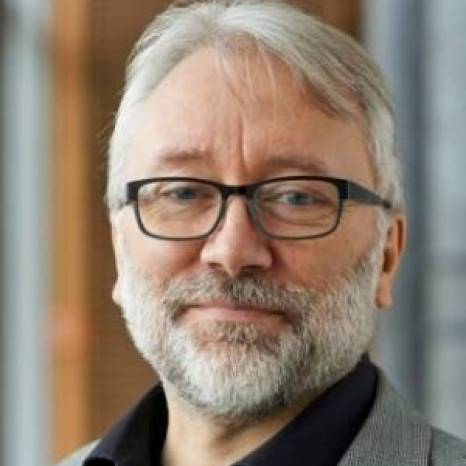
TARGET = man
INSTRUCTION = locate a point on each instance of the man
(258, 222)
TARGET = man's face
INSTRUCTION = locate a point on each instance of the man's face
(239, 323)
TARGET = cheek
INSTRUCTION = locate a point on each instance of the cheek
(306, 265)
(317, 263)
(156, 258)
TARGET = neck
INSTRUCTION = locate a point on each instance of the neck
(196, 440)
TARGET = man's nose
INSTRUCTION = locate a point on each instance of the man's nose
(237, 245)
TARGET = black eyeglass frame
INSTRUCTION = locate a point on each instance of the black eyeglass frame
(347, 190)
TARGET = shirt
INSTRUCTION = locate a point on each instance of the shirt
(318, 436)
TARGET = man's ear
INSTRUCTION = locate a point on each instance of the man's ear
(117, 251)
(395, 242)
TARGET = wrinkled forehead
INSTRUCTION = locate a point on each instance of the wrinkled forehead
(249, 106)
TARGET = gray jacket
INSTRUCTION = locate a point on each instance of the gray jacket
(393, 435)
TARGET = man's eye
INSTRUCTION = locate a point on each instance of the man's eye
(296, 198)
(183, 194)
(186, 193)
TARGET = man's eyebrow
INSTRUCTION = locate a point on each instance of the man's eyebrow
(304, 162)
(175, 158)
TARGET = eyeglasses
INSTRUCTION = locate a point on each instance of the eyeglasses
(293, 207)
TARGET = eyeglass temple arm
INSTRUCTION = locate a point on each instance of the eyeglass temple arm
(361, 194)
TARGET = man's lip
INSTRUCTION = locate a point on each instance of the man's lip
(231, 312)
(234, 307)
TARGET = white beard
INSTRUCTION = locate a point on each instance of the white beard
(236, 372)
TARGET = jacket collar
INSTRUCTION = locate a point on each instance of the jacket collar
(393, 434)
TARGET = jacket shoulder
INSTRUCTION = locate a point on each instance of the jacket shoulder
(77, 457)
(447, 450)
(395, 434)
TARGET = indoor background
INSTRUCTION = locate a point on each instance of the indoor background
(67, 368)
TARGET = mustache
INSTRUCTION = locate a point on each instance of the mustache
(245, 291)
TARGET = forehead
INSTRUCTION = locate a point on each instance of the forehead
(246, 114)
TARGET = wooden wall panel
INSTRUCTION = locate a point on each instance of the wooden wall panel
(70, 233)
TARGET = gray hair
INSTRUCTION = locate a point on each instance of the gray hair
(337, 69)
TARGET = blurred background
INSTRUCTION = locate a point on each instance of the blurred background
(67, 368)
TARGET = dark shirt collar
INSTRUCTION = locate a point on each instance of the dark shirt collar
(137, 438)
(322, 433)
(319, 435)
